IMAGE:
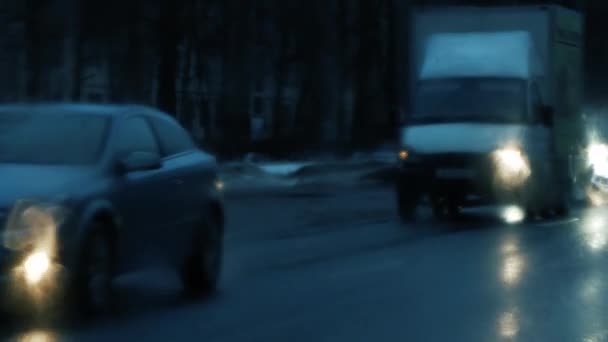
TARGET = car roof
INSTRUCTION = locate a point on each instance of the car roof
(110, 110)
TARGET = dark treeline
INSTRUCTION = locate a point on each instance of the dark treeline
(242, 75)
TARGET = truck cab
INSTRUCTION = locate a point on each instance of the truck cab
(489, 123)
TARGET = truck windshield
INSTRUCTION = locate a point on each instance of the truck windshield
(471, 99)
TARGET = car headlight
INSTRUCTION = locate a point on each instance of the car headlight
(35, 266)
(511, 165)
(31, 233)
(33, 224)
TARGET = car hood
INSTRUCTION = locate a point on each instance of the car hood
(39, 181)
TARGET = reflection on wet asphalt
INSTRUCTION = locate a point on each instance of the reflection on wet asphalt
(362, 276)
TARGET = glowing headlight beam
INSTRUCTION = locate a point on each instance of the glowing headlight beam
(513, 214)
(597, 153)
(511, 166)
(512, 159)
(597, 157)
(35, 267)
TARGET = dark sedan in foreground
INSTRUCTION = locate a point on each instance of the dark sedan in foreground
(88, 192)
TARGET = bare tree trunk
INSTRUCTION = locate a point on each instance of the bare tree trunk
(77, 77)
(234, 120)
(364, 59)
(77, 40)
(167, 69)
(281, 70)
(200, 43)
(391, 71)
(134, 84)
(186, 114)
(205, 116)
(33, 52)
(311, 107)
(343, 36)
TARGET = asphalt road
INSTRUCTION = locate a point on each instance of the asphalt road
(338, 266)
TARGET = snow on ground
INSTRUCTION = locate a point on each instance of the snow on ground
(258, 172)
(282, 168)
(267, 175)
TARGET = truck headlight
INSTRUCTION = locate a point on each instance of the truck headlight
(597, 153)
(511, 166)
(597, 158)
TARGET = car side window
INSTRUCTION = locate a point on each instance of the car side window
(173, 138)
(135, 135)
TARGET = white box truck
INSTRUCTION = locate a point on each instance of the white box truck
(496, 109)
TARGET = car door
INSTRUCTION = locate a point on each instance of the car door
(141, 195)
(181, 156)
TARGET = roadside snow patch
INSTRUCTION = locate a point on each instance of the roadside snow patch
(282, 169)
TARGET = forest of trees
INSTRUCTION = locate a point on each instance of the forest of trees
(242, 75)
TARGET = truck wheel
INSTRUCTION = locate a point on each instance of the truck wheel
(444, 208)
(446, 212)
(531, 214)
(407, 207)
(407, 203)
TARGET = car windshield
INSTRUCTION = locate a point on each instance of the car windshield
(485, 100)
(62, 139)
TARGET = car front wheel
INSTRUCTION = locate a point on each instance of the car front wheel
(92, 292)
(201, 271)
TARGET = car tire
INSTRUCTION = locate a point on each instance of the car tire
(201, 271)
(91, 291)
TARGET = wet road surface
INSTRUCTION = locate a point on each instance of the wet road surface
(338, 266)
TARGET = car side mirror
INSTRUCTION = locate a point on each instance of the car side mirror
(546, 115)
(139, 161)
